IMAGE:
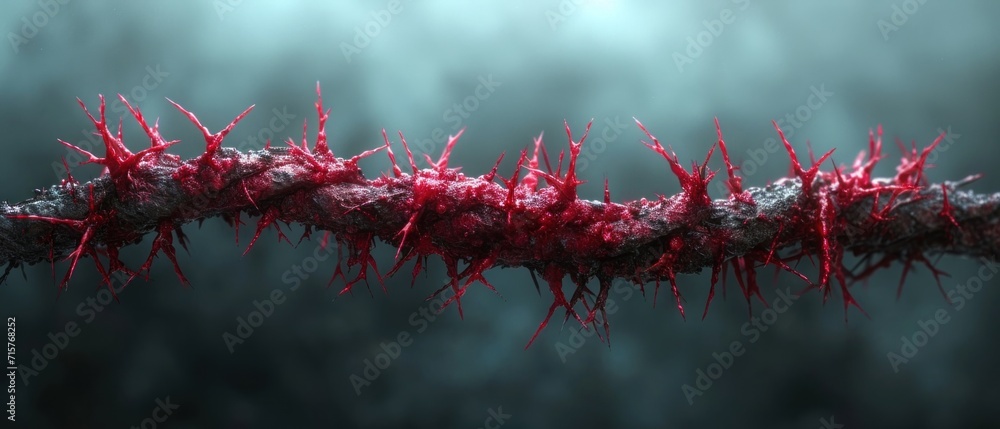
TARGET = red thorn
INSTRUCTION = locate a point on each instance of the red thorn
(116, 152)
(321, 147)
(493, 172)
(806, 176)
(553, 276)
(472, 273)
(571, 182)
(946, 209)
(303, 153)
(250, 199)
(354, 159)
(118, 161)
(267, 218)
(360, 254)
(664, 266)
(212, 141)
(846, 294)
(512, 184)
(545, 154)
(677, 295)
(607, 192)
(164, 241)
(530, 181)
(442, 162)
(911, 168)
(406, 230)
(392, 157)
(824, 216)
(409, 155)
(86, 227)
(451, 265)
(305, 137)
(720, 258)
(236, 226)
(694, 184)
(69, 183)
(90, 157)
(155, 140)
(750, 288)
(734, 183)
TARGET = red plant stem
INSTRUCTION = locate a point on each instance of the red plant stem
(484, 224)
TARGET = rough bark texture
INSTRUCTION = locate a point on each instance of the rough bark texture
(489, 221)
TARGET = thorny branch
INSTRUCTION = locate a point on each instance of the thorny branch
(491, 221)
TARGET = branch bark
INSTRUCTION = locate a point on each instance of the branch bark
(490, 221)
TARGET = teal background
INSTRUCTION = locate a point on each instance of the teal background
(554, 61)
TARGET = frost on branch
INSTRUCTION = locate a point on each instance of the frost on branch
(476, 223)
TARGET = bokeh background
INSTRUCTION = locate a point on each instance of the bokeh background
(917, 68)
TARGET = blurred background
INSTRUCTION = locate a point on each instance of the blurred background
(169, 356)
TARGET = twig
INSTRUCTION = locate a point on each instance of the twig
(515, 223)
